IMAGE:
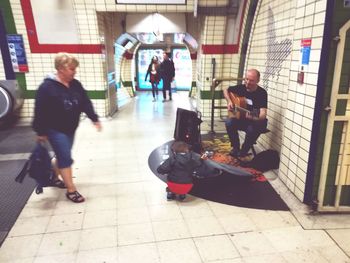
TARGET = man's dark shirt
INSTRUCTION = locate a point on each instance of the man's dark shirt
(255, 100)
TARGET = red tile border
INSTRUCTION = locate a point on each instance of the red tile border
(36, 47)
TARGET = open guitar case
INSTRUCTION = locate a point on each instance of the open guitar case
(187, 128)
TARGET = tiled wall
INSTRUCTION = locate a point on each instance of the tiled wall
(213, 28)
(275, 50)
(92, 71)
(213, 32)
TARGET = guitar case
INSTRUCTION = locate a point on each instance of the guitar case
(264, 161)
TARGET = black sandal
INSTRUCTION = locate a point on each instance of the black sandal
(58, 183)
(75, 197)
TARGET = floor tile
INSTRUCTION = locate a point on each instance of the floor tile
(41, 208)
(204, 226)
(97, 255)
(274, 258)
(94, 238)
(70, 257)
(20, 247)
(201, 209)
(342, 237)
(66, 222)
(216, 248)
(133, 215)
(59, 243)
(101, 203)
(30, 226)
(170, 253)
(169, 230)
(100, 219)
(238, 222)
(170, 211)
(145, 253)
(252, 244)
(135, 234)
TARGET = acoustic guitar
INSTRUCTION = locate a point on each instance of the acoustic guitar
(240, 107)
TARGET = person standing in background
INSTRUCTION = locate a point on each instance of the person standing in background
(59, 101)
(167, 70)
(154, 76)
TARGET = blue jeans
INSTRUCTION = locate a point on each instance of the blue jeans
(253, 129)
(62, 145)
(154, 89)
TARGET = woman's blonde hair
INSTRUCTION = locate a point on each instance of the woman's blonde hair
(63, 60)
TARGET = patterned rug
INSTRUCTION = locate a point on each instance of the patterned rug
(243, 191)
(219, 146)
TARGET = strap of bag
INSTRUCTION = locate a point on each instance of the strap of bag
(22, 174)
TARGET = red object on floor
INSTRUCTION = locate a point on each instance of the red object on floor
(180, 189)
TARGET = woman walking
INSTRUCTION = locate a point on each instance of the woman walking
(59, 102)
(154, 76)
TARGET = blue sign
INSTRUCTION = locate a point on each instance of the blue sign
(305, 57)
(17, 53)
(305, 51)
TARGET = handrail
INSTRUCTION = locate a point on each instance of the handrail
(215, 82)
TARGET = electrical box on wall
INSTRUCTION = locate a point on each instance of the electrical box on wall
(301, 77)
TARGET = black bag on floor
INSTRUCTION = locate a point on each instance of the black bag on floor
(38, 167)
(264, 161)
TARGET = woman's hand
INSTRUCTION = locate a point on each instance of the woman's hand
(98, 126)
(42, 138)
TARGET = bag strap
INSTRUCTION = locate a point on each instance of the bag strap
(23, 172)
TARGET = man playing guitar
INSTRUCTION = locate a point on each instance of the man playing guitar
(250, 116)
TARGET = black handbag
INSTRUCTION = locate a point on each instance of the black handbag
(38, 167)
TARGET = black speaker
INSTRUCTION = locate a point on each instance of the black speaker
(187, 128)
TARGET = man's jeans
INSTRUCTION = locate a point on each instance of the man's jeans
(253, 129)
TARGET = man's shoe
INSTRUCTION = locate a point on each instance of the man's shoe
(244, 157)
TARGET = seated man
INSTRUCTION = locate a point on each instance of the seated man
(251, 117)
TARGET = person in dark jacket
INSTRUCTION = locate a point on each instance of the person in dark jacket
(167, 70)
(60, 100)
(179, 168)
(152, 71)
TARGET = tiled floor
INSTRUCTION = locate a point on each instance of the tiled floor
(126, 217)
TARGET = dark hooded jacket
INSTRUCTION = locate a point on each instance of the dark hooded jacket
(180, 167)
(58, 107)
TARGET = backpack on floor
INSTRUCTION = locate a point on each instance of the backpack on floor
(38, 167)
(264, 161)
